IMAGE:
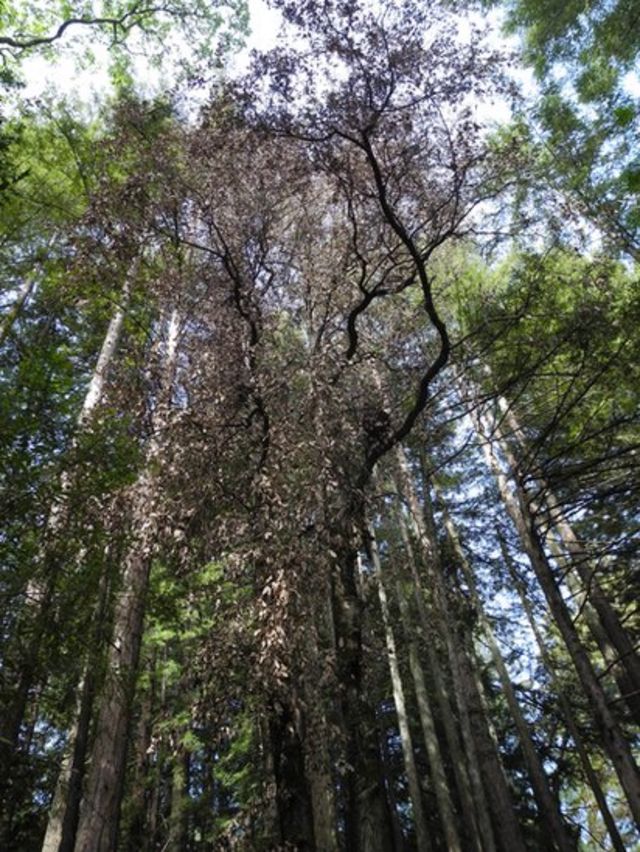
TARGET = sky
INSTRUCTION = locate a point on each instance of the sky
(90, 85)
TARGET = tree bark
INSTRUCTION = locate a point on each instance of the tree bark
(178, 813)
(99, 815)
(317, 756)
(547, 803)
(611, 736)
(293, 796)
(469, 700)
(39, 594)
(475, 809)
(415, 791)
(368, 826)
(65, 808)
(565, 706)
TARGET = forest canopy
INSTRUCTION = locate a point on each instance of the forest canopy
(319, 430)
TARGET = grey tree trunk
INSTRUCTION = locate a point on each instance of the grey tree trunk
(565, 706)
(475, 726)
(547, 803)
(415, 790)
(612, 738)
(99, 814)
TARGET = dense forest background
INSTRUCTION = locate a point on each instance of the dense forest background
(319, 435)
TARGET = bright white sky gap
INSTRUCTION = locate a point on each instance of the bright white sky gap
(88, 87)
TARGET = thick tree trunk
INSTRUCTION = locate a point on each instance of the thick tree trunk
(368, 825)
(546, 802)
(415, 790)
(611, 736)
(317, 755)
(99, 815)
(293, 796)
(135, 830)
(318, 771)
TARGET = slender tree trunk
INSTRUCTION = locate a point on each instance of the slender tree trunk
(565, 706)
(500, 798)
(65, 807)
(470, 702)
(178, 814)
(432, 745)
(368, 826)
(394, 806)
(612, 737)
(40, 591)
(415, 791)
(547, 803)
(613, 640)
(99, 815)
(466, 765)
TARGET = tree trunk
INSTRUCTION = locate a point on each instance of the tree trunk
(565, 706)
(99, 815)
(613, 640)
(415, 791)
(293, 797)
(368, 825)
(65, 808)
(39, 594)
(317, 756)
(179, 793)
(135, 832)
(469, 700)
(547, 803)
(612, 737)
(475, 810)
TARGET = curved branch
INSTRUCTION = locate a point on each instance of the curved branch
(116, 22)
(419, 258)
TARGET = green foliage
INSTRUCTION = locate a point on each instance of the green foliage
(588, 121)
(128, 28)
